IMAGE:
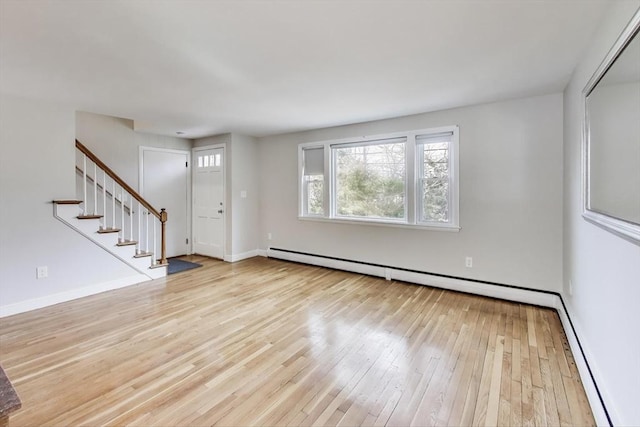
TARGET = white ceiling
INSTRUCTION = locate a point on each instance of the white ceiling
(266, 67)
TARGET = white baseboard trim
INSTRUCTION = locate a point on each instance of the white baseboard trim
(512, 294)
(240, 257)
(525, 296)
(262, 252)
(588, 382)
(460, 285)
(45, 301)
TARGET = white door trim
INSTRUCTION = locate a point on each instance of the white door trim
(188, 155)
(224, 193)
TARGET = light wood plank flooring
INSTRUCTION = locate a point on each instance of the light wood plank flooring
(267, 342)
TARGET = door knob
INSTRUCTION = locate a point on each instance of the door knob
(219, 210)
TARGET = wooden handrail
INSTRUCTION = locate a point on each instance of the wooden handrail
(161, 215)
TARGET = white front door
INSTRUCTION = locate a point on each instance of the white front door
(165, 184)
(208, 202)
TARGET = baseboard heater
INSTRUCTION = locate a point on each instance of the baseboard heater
(520, 294)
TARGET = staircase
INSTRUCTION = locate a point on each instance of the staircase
(115, 217)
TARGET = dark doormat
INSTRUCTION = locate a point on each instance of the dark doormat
(177, 265)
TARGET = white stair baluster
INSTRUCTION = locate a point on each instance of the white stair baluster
(139, 244)
(113, 204)
(131, 219)
(146, 220)
(104, 199)
(84, 184)
(121, 233)
(95, 189)
(153, 260)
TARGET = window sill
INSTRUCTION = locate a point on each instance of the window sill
(378, 223)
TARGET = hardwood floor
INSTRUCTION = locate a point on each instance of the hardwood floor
(267, 342)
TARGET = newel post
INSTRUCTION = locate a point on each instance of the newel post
(163, 242)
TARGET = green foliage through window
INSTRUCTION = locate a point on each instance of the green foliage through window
(370, 180)
(315, 194)
(435, 182)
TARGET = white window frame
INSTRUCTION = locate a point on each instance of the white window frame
(412, 183)
(453, 199)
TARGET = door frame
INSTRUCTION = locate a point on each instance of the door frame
(187, 154)
(194, 152)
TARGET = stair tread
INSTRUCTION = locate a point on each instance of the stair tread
(108, 230)
(158, 265)
(89, 216)
(143, 254)
(127, 243)
(67, 202)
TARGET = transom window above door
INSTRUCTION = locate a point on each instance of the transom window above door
(209, 161)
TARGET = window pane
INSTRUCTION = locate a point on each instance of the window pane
(435, 200)
(370, 180)
(435, 182)
(315, 194)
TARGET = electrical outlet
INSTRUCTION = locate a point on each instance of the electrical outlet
(42, 272)
(269, 236)
(468, 262)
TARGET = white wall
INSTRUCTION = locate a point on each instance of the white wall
(212, 140)
(510, 198)
(244, 178)
(604, 268)
(37, 166)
